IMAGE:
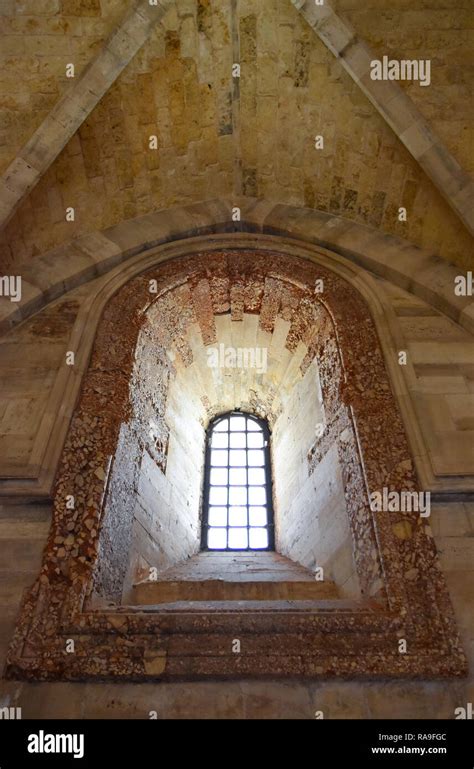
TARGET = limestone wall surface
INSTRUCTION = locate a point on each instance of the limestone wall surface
(310, 509)
(214, 137)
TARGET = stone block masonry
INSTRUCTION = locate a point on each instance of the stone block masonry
(178, 88)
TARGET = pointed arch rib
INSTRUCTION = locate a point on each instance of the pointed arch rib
(397, 109)
(76, 105)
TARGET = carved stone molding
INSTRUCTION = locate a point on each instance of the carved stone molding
(395, 554)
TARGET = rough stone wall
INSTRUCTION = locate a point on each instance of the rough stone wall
(333, 539)
(178, 400)
(155, 480)
(452, 526)
(177, 88)
(215, 138)
(390, 550)
(27, 380)
(166, 525)
(311, 513)
(294, 90)
(39, 37)
(23, 530)
(439, 31)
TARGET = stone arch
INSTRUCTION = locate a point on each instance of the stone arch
(350, 362)
(81, 260)
(87, 547)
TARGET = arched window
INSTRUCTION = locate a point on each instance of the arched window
(237, 509)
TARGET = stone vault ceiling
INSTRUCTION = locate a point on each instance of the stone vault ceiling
(440, 31)
(212, 143)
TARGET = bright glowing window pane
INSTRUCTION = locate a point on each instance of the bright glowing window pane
(217, 539)
(253, 426)
(257, 495)
(220, 441)
(217, 516)
(219, 477)
(238, 538)
(256, 458)
(237, 495)
(218, 495)
(255, 441)
(238, 458)
(237, 423)
(256, 476)
(257, 516)
(238, 476)
(258, 538)
(237, 516)
(219, 458)
(237, 440)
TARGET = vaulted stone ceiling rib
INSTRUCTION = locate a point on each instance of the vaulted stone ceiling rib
(395, 107)
(73, 108)
(217, 137)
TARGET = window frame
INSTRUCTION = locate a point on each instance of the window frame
(270, 525)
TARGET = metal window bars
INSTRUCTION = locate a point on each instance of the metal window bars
(237, 502)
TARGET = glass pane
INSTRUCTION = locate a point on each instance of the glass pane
(237, 423)
(238, 538)
(256, 458)
(238, 495)
(217, 539)
(217, 516)
(219, 477)
(220, 441)
(218, 495)
(238, 458)
(255, 441)
(257, 495)
(253, 426)
(219, 458)
(237, 516)
(238, 476)
(258, 538)
(237, 440)
(256, 476)
(257, 516)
